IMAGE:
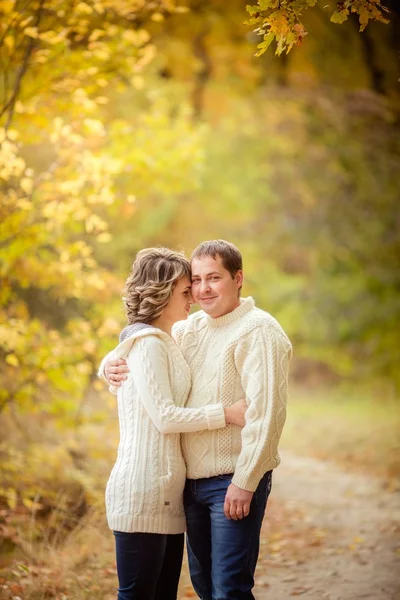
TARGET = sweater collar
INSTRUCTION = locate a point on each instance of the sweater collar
(246, 304)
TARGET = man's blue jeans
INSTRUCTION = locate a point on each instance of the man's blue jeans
(222, 553)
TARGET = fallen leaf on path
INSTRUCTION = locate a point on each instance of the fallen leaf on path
(298, 591)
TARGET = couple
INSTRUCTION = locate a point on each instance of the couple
(190, 375)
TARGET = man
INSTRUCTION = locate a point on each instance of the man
(233, 349)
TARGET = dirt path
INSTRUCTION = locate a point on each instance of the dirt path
(327, 535)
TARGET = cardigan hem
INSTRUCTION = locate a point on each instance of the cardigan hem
(162, 524)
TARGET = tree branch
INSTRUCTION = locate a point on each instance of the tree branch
(10, 104)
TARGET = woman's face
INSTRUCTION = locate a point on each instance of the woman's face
(178, 307)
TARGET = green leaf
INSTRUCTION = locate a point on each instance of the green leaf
(339, 17)
(252, 10)
(264, 45)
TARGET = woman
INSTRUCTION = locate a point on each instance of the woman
(145, 489)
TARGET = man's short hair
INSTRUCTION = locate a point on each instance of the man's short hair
(229, 254)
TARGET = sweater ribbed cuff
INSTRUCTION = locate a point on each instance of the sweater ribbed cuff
(244, 482)
(215, 415)
(249, 482)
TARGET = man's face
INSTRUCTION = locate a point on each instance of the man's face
(213, 287)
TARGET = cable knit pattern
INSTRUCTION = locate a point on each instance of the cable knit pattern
(145, 488)
(244, 353)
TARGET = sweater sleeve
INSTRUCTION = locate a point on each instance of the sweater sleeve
(262, 359)
(148, 360)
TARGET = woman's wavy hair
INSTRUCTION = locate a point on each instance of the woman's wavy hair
(150, 284)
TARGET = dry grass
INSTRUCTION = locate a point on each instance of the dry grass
(359, 429)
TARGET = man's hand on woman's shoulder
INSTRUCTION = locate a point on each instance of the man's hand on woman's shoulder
(116, 371)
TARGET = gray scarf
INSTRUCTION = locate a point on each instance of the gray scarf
(130, 330)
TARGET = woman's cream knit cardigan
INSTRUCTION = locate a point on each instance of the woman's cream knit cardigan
(144, 491)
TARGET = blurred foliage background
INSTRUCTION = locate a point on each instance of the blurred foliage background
(127, 124)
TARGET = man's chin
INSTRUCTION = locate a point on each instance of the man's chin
(209, 308)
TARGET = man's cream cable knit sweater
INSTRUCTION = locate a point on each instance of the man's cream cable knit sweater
(244, 353)
(144, 491)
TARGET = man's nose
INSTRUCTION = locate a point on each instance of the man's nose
(204, 286)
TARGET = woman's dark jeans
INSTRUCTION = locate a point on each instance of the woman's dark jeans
(148, 565)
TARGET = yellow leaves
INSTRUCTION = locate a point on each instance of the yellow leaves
(96, 34)
(54, 37)
(182, 9)
(356, 543)
(94, 281)
(11, 134)
(24, 204)
(147, 54)
(94, 223)
(63, 132)
(26, 21)
(72, 187)
(264, 45)
(99, 8)
(12, 359)
(83, 9)
(104, 238)
(136, 38)
(137, 82)
(101, 100)
(11, 165)
(81, 98)
(157, 17)
(11, 497)
(9, 43)
(84, 368)
(7, 6)
(101, 82)
(89, 347)
(94, 126)
(26, 184)
(109, 327)
(99, 50)
(31, 32)
(31, 505)
(19, 107)
(284, 24)
(340, 16)
(364, 17)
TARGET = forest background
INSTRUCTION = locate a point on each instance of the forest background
(133, 124)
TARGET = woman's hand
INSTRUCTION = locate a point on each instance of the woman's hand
(235, 414)
(116, 371)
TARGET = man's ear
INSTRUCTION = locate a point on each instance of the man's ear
(239, 279)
